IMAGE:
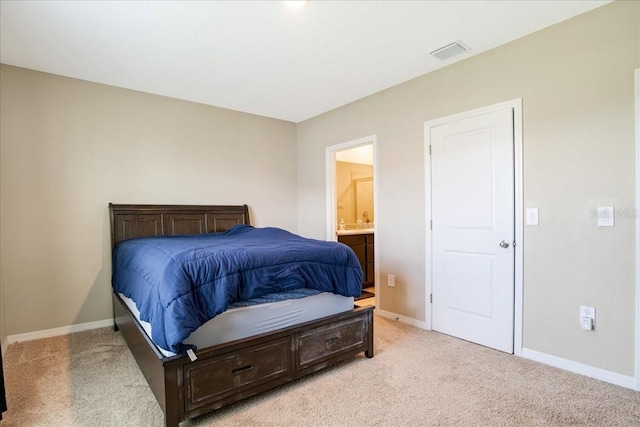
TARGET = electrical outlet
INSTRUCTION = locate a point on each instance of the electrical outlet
(391, 280)
(586, 323)
(587, 311)
(587, 317)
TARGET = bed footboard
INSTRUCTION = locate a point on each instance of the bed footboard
(226, 373)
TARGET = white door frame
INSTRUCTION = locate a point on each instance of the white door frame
(332, 221)
(637, 213)
(516, 105)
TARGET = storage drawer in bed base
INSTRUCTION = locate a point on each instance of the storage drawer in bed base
(226, 373)
(323, 343)
(212, 379)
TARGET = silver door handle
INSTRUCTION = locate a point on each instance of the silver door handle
(504, 244)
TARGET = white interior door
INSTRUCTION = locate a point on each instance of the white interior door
(472, 178)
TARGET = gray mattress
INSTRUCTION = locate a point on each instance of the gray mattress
(253, 319)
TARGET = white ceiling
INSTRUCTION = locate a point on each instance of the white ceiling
(261, 57)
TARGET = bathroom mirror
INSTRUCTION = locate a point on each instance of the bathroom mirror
(364, 200)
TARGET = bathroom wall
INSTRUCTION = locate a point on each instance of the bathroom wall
(346, 174)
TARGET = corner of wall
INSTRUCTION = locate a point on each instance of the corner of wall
(3, 334)
(3, 330)
(637, 105)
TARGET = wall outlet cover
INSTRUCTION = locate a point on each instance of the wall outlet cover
(586, 311)
(391, 280)
(586, 323)
(587, 317)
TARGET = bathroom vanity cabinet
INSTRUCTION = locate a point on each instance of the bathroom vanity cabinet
(362, 245)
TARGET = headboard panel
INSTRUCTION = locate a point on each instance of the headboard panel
(130, 221)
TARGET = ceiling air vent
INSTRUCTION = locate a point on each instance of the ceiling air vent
(449, 50)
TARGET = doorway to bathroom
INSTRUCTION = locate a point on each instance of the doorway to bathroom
(351, 204)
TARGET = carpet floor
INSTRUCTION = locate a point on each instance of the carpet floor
(417, 378)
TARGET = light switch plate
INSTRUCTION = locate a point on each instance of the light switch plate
(532, 216)
(606, 216)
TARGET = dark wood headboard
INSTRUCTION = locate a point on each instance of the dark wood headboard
(130, 221)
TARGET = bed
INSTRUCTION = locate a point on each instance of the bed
(190, 383)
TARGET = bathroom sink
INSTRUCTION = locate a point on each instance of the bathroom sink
(354, 231)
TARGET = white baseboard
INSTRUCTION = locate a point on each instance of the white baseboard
(64, 330)
(558, 362)
(403, 319)
(579, 368)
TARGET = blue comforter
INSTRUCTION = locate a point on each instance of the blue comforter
(180, 282)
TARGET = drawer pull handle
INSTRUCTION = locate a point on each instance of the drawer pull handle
(241, 370)
(330, 342)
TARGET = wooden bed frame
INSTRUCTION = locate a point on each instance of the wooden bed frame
(226, 373)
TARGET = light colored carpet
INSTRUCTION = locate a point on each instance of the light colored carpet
(417, 378)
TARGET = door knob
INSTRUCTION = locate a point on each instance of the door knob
(504, 244)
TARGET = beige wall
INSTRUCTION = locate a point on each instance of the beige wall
(70, 147)
(576, 83)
